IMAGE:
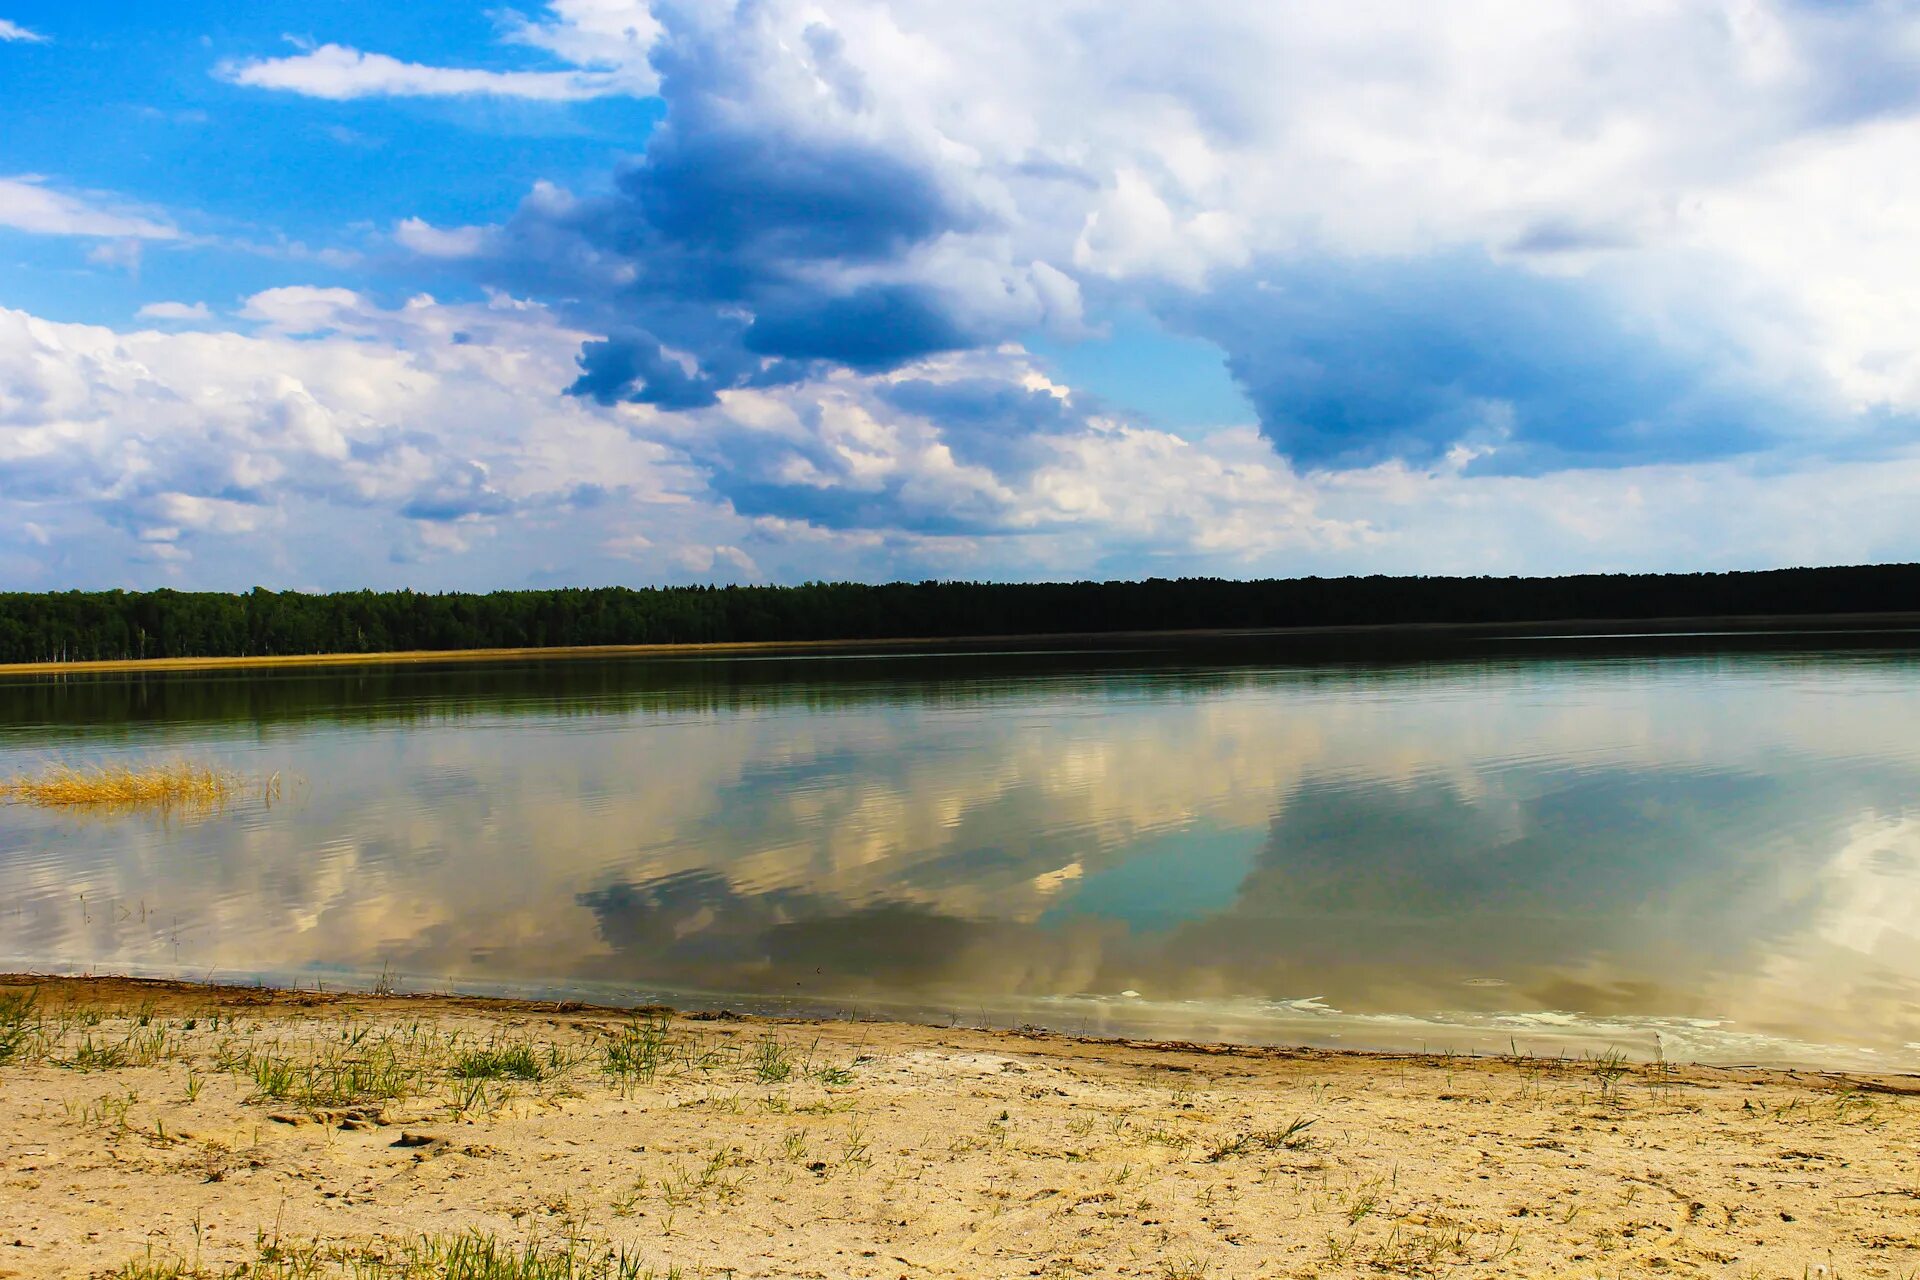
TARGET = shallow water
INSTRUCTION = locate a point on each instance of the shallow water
(1707, 847)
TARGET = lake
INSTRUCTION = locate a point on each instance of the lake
(1699, 846)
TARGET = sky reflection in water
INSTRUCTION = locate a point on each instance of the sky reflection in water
(1588, 845)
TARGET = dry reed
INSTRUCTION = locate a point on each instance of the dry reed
(173, 784)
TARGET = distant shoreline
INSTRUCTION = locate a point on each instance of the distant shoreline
(1543, 628)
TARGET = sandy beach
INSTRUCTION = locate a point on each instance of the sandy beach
(166, 1129)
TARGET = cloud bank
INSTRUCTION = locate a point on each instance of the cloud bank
(1536, 235)
(1504, 288)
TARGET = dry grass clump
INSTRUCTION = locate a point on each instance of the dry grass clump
(172, 784)
(472, 1255)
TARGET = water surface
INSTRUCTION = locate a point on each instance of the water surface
(1705, 846)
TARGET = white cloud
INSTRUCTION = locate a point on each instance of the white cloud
(352, 444)
(610, 34)
(122, 255)
(631, 546)
(1656, 149)
(701, 561)
(298, 309)
(430, 241)
(183, 312)
(339, 73)
(13, 31)
(605, 44)
(28, 203)
(332, 452)
(344, 435)
(1722, 176)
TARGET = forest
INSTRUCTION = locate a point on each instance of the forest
(77, 626)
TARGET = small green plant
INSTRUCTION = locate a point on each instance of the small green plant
(274, 1077)
(684, 1187)
(96, 1057)
(516, 1062)
(151, 1266)
(638, 1050)
(107, 1111)
(1607, 1069)
(771, 1061)
(854, 1151)
(627, 1203)
(1289, 1136)
(17, 1023)
(471, 1098)
(1190, 1266)
(1364, 1201)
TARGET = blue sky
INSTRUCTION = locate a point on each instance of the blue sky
(336, 294)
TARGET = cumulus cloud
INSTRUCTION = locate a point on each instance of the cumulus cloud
(412, 431)
(179, 312)
(29, 203)
(339, 73)
(429, 241)
(344, 443)
(1352, 363)
(1410, 229)
(608, 34)
(1545, 273)
(343, 425)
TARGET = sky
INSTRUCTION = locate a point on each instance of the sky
(446, 296)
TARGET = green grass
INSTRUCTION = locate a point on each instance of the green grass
(97, 1057)
(335, 1077)
(1607, 1069)
(771, 1061)
(516, 1062)
(638, 1050)
(471, 1255)
(17, 1022)
(1289, 1136)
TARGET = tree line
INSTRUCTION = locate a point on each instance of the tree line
(73, 626)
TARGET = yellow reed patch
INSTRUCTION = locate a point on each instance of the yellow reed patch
(119, 786)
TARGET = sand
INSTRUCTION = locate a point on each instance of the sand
(163, 1128)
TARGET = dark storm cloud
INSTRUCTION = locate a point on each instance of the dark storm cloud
(1354, 362)
(986, 421)
(739, 249)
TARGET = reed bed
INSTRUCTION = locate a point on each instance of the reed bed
(164, 785)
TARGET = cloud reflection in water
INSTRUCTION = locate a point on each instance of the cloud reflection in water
(1491, 840)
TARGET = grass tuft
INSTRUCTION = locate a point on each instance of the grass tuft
(638, 1050)
(514, 1063)
(16, 1022)
(471, 1255)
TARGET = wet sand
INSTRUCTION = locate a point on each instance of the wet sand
(181, 1129)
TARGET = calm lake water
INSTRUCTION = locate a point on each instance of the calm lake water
(1704, 846)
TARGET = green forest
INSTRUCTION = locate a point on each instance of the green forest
(77, 626)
